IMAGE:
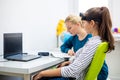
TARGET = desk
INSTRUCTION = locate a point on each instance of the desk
(27, 69)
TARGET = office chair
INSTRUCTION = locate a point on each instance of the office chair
(97, 62)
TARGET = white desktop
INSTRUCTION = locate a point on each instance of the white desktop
(27, 69)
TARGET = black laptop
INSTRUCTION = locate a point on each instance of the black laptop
(13, 48)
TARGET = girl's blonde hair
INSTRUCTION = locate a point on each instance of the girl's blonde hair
(73, 19)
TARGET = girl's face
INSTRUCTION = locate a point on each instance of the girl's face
(86, 25)
(72, 28)
(90, 27)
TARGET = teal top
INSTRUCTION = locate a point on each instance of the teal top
(74, 42)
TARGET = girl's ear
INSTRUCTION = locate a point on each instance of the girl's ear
(92, 22)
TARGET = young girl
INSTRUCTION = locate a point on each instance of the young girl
(99, 18)
(96, 21)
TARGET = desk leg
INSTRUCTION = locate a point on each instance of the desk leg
(27, 77)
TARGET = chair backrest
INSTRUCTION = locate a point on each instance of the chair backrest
(97, 62)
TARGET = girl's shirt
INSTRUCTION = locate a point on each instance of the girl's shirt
(83, 57)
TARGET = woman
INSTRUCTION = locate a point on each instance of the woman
(79, 36)
(97, 22)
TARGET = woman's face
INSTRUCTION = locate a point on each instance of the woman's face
(72, 28)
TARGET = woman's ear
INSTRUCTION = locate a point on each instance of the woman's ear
(78, 24)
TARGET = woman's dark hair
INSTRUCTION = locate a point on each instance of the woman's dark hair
(102, 17)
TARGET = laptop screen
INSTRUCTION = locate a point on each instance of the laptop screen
(12, 43)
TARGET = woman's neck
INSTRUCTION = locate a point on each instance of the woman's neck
(82, 35)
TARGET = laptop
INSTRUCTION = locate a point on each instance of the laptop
(13, 48)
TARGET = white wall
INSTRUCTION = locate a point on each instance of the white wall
(113, 61)
(115, 11)
(36, 19)
(114, 57)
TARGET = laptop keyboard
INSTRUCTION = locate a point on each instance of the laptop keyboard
(24, 56)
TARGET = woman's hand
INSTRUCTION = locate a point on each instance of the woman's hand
(71, 52)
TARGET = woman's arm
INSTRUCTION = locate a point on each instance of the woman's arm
(67, 45)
